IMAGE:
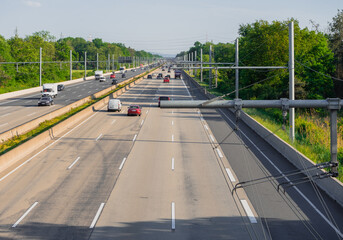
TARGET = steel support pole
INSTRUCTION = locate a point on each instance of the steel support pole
(201, 76)
(113, 62)
(291, 80)
(195, 57)
(210, 71)
(85, 65)
(237, 70)
(97, 61)
(333, 143)
(108, 63)
(40, 66)
(216, 78)
(71, 64)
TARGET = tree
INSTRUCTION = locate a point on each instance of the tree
(336, 42)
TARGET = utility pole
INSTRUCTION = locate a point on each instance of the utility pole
(237, 70)
(210, 71)
(201, 76)
(216, 78)
(71, 65)
(85, 65)
(113, 62)
(40, 66)
(291, 80)
(97, 61)
(195, 57)
(108, 63)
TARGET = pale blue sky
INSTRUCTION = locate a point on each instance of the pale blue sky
(156, 25)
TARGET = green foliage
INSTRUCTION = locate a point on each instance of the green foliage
(27, 50)
(266, 44)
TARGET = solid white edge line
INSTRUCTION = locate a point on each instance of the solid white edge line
(248, 211)
(4, 115)
(28, 160)
(113, 121)
(187, 89)
(173, 164)
(219, 153)
(229, 173)
(24, 215)
(98, 137)
(142, 122)
(3, 124)
(295, 187)
(77, 159)
(97, 215)
(212, 138)
(206, 127)
(122, 163)
(31, 114)
(173, 216)
(134, 138)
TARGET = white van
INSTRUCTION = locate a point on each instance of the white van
(114, 105)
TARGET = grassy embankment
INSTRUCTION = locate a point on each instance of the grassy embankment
(15, 141)
(312, 131)
(30, 84)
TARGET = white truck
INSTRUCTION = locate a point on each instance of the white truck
(50, 89)
(122, 70)
(98, 75)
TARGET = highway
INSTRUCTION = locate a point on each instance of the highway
(19, 110)
(162, 175)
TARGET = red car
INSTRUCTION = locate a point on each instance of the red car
(134, 110)
(162, 98)
(166, 80)
(112, 76)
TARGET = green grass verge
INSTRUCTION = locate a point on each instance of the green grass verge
(18, 140)
(312, 133)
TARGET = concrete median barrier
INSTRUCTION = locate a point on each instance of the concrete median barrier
(14, 156)
(26, 127)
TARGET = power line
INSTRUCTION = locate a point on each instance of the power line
(334, 78)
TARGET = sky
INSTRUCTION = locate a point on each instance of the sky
(157, 26)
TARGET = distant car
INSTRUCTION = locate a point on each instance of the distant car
(162, 69)
(112, 76)
(123, 75)
(134, 110)
(102, 79)
(45, 101)
(114, 81)
(169, 70)
(168, 76)
(159, 77)
(60, 87)
(166, 79)
(162, 98)
(149, 76)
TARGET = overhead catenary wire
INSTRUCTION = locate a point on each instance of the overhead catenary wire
(334, 78)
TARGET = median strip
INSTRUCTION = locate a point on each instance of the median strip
(9, 144)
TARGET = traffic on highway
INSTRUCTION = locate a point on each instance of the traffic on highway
(133, 170)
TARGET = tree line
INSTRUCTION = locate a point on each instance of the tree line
(17, 49)
(318, 60)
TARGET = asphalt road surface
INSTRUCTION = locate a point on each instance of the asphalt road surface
(19, 110)
(158, 176)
